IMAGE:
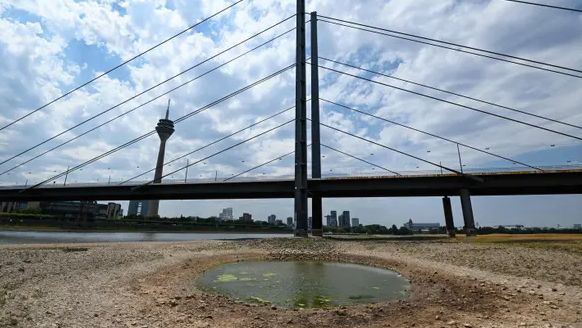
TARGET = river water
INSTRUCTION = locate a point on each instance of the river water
(50, 237)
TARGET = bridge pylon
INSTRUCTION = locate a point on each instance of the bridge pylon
(301, 126)
(316, 201)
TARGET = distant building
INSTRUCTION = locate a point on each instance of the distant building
(511, 227)
(82, 210)
(113, 210)
(355, 222)
(309, 223)
(246, 218)
(328, 220)
(334, 222)
(290, 221)
(271, 219)
(421, 226)
(226, 214)
(108, 211)
(138, 208)
(344, 220)
(8, 207)
(278, 222)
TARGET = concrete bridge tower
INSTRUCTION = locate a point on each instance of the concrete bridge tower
(165, 129)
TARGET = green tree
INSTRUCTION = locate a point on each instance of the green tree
(31, 210)
(405, 231)
(394, 230)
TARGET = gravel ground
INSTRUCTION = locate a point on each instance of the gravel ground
(152, 285)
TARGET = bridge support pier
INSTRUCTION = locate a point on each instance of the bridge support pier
(317, 216)
(467, 213)
(450, 224)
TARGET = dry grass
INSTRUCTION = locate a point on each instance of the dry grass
(561, 242)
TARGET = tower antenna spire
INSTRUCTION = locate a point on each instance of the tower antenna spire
(168, 111)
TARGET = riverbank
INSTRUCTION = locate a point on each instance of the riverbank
(127, 229)
(455, 284)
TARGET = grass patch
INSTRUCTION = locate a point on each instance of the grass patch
(559, 242)
(74, 249)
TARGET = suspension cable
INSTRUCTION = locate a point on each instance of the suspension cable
(478, 179)
(453, 49)
(545, 5)
(122, 64)
(261, 165)
(217, 153)
(361, 159)
(454, 103)
(433, 135)
(147, 102)
(143, 92)
(454, 94)
(154, 131)
(212, 143)
(456, 45)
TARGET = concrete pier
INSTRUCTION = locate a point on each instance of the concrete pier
(450, 224)
(467, 212)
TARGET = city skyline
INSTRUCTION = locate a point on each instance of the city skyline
(60, 53)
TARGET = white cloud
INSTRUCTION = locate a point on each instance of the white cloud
(38, 63)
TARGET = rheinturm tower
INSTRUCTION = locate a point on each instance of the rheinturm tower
(165, 129)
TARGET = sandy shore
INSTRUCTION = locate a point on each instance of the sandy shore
(152, 285)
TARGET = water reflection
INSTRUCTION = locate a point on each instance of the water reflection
(305, 284)
(29, 237)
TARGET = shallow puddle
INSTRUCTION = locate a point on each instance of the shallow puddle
(305, 284)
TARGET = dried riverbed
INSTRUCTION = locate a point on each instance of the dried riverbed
(152, 285)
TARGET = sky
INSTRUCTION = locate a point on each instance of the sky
(50, 47)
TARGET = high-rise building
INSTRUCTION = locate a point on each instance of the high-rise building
(271, 219)
(328, 220)
(278, 222)
(346, 219)
(290, 221)
(340, 220)
(138, 207)
(113, 210)
(355, 222)
(334, 222)
(165, 129)
(226, 214)
(309, 223)
(246, 218)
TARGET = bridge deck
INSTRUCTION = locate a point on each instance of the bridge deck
(494, 183)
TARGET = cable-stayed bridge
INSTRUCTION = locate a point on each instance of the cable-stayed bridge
(311, 178)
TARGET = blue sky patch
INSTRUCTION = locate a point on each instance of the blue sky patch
(97, 60)
(119, 9)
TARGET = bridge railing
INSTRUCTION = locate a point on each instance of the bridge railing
(328, 175)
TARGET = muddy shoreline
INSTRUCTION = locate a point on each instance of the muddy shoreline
(152, 285)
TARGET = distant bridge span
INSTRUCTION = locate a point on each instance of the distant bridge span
(494, 184)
